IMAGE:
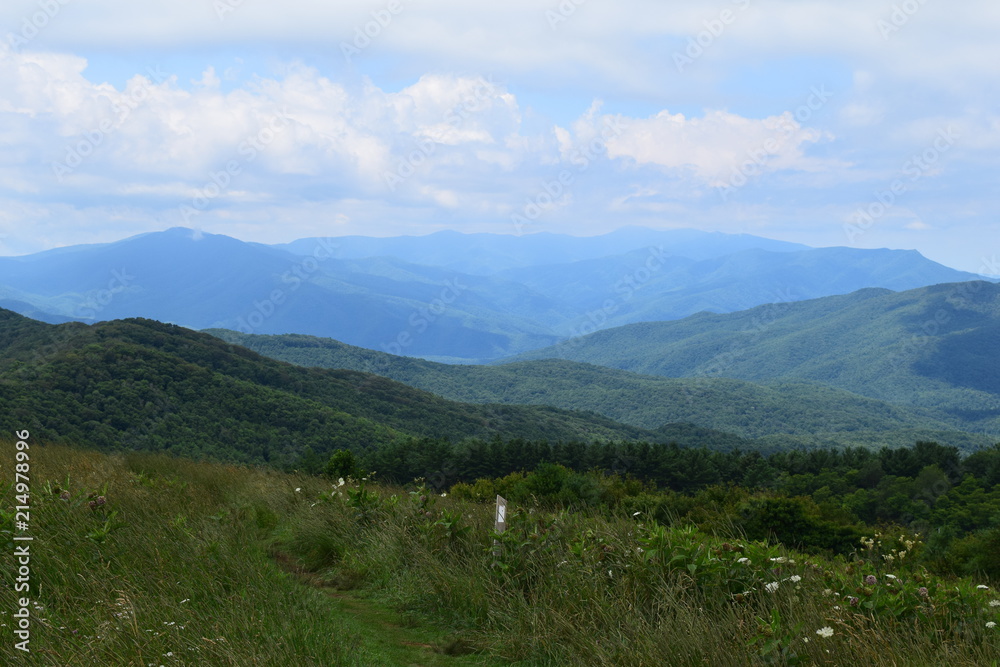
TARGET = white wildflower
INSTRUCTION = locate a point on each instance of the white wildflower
(825, 632)
(771, 587)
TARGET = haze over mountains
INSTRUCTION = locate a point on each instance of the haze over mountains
(451, 297)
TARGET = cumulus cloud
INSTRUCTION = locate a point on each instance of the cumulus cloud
(708, 148)
(422, 146)
(430, 141)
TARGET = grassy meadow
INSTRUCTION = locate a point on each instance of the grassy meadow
(142, 559)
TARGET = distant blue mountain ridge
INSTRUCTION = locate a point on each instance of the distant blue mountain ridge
(448, 296)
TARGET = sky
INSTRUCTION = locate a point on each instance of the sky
(826, 122)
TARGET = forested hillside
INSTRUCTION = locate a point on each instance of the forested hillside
(778, 414)
(144, 384)
(934, 347)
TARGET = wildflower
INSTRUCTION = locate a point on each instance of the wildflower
(743, 561)
(991, 625)
(853, 600)
(825, 631)
(771, 587)
(870, 580)
(779, 559)
(827, 591)
(805, 640)
(64, 495)
(995, 603)
(983, 587)
(922, 591)
(444, 495)
(298, 489)
(795, 578)
(340, 482)
(891, 576)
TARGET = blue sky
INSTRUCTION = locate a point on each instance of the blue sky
(826, 122)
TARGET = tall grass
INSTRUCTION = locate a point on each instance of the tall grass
(570, 589)
(184, 564)
(171, 569)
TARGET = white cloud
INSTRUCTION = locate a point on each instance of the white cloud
(716, 144)
(476, 147)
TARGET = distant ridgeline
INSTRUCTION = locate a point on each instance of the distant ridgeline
(469, 298)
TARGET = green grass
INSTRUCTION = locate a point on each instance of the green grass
(175, 569)
(207, 564)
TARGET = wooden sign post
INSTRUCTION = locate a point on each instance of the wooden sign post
(501, 523)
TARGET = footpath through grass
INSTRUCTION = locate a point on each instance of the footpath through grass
(141, 559)
(172, 566)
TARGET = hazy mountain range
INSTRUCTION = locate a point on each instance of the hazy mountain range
(447, 296)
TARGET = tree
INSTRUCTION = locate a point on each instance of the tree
(342, 463)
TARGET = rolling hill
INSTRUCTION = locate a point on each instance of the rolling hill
(935, 347)
(142, 384)
(776, 414)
